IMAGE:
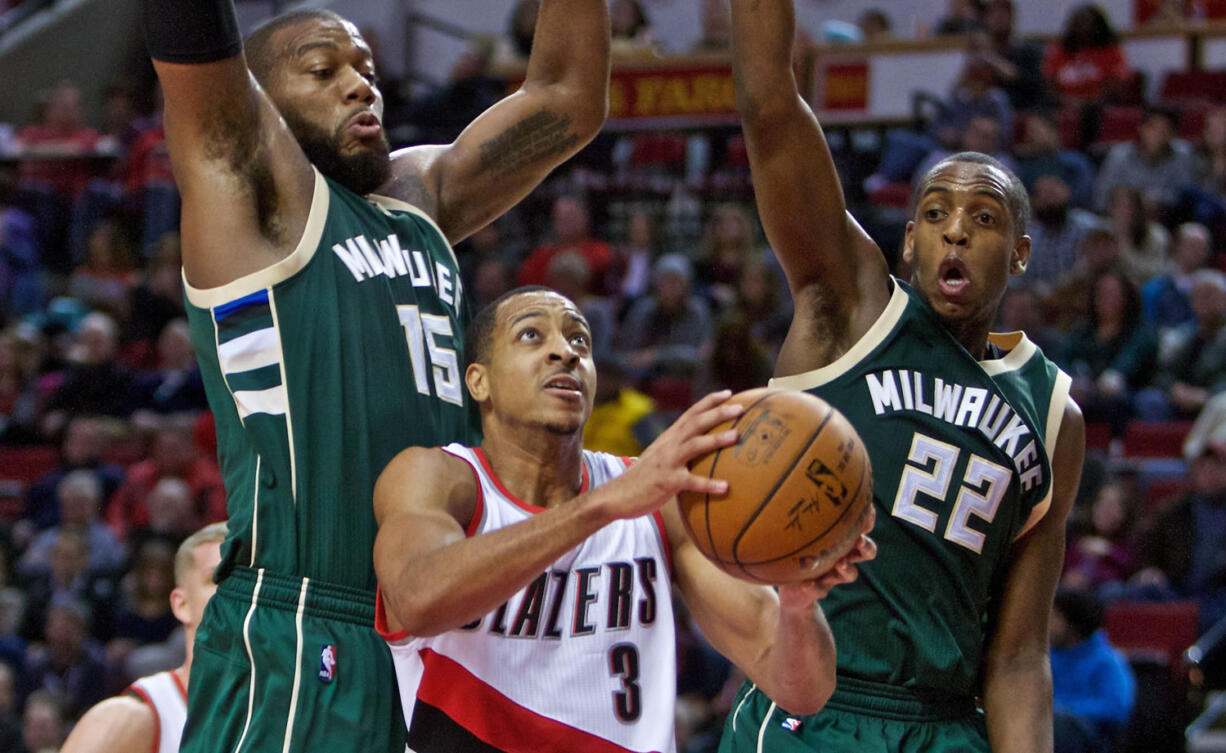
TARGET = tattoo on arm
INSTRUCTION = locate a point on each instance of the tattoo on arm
(533, 139)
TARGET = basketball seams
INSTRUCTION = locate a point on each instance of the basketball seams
(833, 525)
(706, 507)
(766, 500)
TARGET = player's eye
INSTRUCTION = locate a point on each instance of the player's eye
(529, 333)
(321, 73)
(987, 218)
(580, 338)
(933, 214)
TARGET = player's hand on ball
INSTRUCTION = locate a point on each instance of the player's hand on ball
(663, 469)
(804, 593)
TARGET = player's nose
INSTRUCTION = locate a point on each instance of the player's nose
(954, 233)
(358, 88)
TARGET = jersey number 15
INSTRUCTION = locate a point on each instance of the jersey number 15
(423, 332)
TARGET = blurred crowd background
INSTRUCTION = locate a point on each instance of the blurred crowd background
(107, 451)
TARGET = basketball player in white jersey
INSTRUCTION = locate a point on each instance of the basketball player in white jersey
(149, 715)
(525, 584)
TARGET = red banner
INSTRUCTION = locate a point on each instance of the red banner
(1144, 10)
(702, 92)
(842, 86)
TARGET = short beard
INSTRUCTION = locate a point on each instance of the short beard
(563, 430)
(361, 173)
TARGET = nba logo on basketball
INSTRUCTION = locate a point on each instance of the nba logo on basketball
(327, 663)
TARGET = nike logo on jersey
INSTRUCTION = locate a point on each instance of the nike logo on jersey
(975, 408)
(367, 260)
(576, 602)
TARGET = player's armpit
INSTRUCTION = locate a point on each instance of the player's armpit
(117, 725)
(1017, 674)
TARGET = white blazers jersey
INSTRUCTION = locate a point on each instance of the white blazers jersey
(165, 694)
(581, 660)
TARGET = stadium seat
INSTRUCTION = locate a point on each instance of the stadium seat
(26, 464)
(671, 394)
(1155, 630)
(1119, 123)
(1155, 439)
(1098, 436)
(1201, 86)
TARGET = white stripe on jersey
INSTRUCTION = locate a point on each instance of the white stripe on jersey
(563, 646)
(273, 401)
(254, 350)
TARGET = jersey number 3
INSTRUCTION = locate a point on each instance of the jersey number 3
(929, 470)
(422, 332)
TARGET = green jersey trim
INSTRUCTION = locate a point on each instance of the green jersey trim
(282, 270)
(855, 354)
(387, 203)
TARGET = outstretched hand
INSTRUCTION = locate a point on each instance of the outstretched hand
(662, 471)
(803, 594)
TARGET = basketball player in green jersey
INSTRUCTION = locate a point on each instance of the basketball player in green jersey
(327, 312)
(976, 447)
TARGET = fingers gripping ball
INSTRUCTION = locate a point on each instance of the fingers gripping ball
(799, 489)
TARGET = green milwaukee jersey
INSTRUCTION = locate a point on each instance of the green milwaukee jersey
(961, 455)
(319, 369)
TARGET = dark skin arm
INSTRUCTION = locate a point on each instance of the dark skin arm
(1017, 672)
(837, 275)
(512, 146)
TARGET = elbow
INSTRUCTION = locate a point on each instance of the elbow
(414, 612)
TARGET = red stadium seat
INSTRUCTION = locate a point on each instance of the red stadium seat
(1157, 631)
(1098, 436)
(1155, 439)
(1202, 86)
(1119, 124)
(26, 464)
(672, 394)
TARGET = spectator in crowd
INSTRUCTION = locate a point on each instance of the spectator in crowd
(964, 17)
(1112, 353)
(763, 301)
(631, 29)
(172, 512)
(738, 360)
(630, 277)
(572, 231)
(95, 382)
(175, 386)
(105, 280)
(623, 420)
(158, 298)
(141, 613)
(728, 243)
(20, 255)
(151, 193)
(521, 27)
(49, 181)
(1211, 153)
(1144, 244)
(10, 724)
(1087, 63)
(670, 330)
(175, 455)
(1166, 299)
(42, 725)
(83, 448)
(19, 397)
(68, 662)
(1093, 687)
(875, 26)
(570, 275)
(1073, 299)
(1057, 234)
(716, 27)
(1041, 153)
(1025, 310)
(80, 502)
(1016, 62)
(1194, 366)
(1156, 163)
(1106, 552)
(1182, 556)
(982, 134)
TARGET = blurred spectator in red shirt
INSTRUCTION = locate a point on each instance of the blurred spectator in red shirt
(571, 232)
(1087, 63)
(175, 455)
(1106, 552)
(62, 131)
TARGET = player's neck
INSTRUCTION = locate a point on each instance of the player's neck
(538, 467)
(972, 334)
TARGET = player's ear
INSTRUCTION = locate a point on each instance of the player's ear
(908, 245)
(1020, 256)
(477, 379)
(178, 605)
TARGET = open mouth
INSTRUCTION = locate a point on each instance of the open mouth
(565, 385)
(952, 278)
(365, 125)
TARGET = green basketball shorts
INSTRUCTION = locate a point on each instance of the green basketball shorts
(290, 664)
(859, 718)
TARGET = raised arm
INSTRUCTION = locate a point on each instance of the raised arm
(781, 641)
(1017, 672)
(834, 269)
(510, 148)
(245, 183)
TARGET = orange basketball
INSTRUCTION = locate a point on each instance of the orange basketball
(799, 487)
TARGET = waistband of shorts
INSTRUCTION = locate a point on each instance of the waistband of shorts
(904, 704)
(289, 592)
